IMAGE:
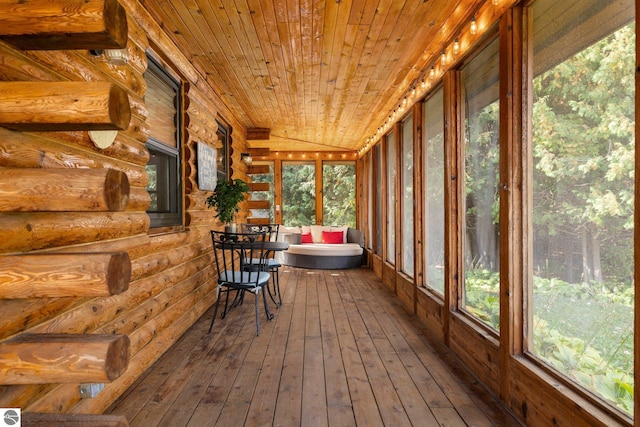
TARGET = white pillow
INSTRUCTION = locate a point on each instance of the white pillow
(293, 230)
(316, 232)
(305, 229)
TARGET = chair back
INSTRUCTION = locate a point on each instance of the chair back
(270, 229)
(234, 252)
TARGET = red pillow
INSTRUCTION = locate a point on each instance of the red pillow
(332, 237)
(306, 238)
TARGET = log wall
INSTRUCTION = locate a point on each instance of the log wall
(79, 263)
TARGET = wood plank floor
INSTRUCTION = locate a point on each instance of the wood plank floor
(340, 351)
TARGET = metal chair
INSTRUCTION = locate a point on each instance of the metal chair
(232, 252)
(273, 265)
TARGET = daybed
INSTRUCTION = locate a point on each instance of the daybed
(322, 247)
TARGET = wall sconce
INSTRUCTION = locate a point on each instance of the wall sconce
(113, 56)
(246, 157)
(474, 26)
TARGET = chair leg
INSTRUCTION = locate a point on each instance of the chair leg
(277, 282)
(215, 311)
(268, 312)
(257, 318)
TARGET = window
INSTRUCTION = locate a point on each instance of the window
(339, 193)
(164, 187)
(480, 195)
(222, 148)
(434, 191)
(391, 198)
(298, 193)
(407, 197)
(583, 192)
(377, 159)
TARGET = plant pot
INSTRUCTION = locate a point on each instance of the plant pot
(231, 228)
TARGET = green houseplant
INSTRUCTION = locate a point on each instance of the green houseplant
(226, 198)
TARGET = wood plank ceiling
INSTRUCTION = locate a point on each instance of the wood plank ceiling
(320, 74)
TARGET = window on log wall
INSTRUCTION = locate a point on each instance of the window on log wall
(163, 104)
(583, 194)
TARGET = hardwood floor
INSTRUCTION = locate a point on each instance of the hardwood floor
(341, 351)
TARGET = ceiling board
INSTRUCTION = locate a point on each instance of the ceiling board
(321, 74)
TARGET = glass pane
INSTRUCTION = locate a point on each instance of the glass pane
(339, 194)
(298, 194)
(378, 165)
(391, 199)
(370, 193)
(434, 191)
(407, 196)
(481, 155)
(583, 194)
(263, 195)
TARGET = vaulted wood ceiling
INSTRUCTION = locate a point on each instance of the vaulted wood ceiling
(320, 74)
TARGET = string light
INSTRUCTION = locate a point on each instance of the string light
(495, 2)
(456, 47)
(432, 72)
(474, 26)
(443, 58)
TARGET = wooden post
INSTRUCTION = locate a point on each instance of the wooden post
(63, 106)
(58, 24)
(48, 275)
(63, 358)
(63, 190)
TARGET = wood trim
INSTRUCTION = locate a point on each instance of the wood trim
(277, 189)
(319, 192)
(47, 25)
(514, 143)
(48, 275)
(63, 190)
(63, 106)
(418, 194)
(63, 358)
(258, 134)
(452, 191)
(257, 169)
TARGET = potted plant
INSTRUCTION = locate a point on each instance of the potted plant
(226, 198)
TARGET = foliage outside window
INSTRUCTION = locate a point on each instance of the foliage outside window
(370, 192)
(391, 198)
(264, 195)
(407, 197)
(298, 193)
(163, 105)
(339, 194)
(583, 196)
(481, 203)
(434, 191)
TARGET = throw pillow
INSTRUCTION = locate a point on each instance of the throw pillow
(306, 238)
(334, 237)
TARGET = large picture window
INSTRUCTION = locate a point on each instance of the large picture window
(339, 194)
(407, 197)
(583, 193)
(480, 196)
(163, 104)
(298, 193)
(391, 198)
(434, 191)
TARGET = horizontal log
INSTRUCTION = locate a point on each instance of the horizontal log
(258, 169)
(63, 190)
(261, 221)
(259, 186)
(63, 106)
(29, 150)
(258, 204)
(48, 275)
(59, 24)
(258, 134)
(63, 358)
(32, 419)
(256, 152)
(22, 232)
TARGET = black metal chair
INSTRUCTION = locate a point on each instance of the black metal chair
(273, 265)
(234, 255)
